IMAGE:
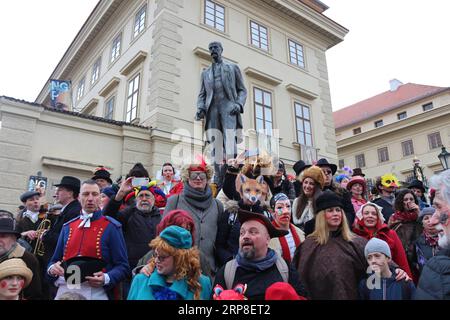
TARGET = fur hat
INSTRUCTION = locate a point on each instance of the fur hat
(16, 267)
(377, 245)
(138, 171)
(315, 173)
(328, 199)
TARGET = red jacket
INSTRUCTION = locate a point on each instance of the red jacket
(390, 236)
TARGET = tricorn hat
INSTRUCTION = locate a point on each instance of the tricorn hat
(244, 215)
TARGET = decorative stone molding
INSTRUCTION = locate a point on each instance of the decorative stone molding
(113, 83)
(254, 73)
(301, 92)
(204, 54)
(133, 63)
(91, 105)
(69, 164)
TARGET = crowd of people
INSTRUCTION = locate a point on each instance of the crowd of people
(315, 235)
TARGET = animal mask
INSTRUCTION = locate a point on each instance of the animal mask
(389, 180)
(251, 190)
(236, 294)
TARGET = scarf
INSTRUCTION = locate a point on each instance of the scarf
(431, 240)
(381, 231)
(33, 216)
(259, 265)
(198, 199)
(399, 216)
(307, 215)
(286, 253)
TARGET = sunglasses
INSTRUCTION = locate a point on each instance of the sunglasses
(194, 175)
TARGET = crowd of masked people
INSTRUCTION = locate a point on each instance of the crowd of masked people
(312, 236)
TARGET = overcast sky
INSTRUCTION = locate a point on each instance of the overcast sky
(403, 39)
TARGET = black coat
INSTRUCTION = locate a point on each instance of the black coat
(229, 227)
(285, 187)
(434, 283)
(138, 228)
(424, 252)
(258, 281)
(50, 239)
(388, 209)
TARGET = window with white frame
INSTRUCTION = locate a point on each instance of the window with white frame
(132, 98)
(378, 123)
(401, 115)
(263, 110)
(115, 48)
(407, 148)
(434, 140)
(360, 160)
(80, 88)
(427, 106)
(259, 36)
(139, 21)
(303, 124)
(383, 154)
(296, 54)
(357, 130)
(109, 108)
(96, 70)
(215, 15)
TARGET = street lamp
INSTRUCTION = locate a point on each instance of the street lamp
(444, 158)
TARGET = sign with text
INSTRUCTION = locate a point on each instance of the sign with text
(60, 94)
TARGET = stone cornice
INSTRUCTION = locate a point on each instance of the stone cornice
(114, 82)
(134, 62)
(254, 73)
(435, 114)
(301, 92)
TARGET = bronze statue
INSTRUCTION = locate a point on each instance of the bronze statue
(220, 102)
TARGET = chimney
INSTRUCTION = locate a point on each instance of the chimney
(394, 84)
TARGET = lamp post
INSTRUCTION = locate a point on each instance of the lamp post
(444, 158)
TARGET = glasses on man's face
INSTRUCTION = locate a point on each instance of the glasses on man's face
(159, 257)
(194, 175)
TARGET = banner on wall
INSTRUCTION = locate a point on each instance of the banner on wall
(61, 94)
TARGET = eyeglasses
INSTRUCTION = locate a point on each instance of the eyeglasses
(194, 175)
(160, 258)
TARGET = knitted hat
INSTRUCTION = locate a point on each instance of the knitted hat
(315, 173)
(16, 267)
(27, 195)
(109, 191)
(177, 237)
(328, 199)
(357, 179)
(281, 291)
(102, 173)
(425, 212)
(377, 245)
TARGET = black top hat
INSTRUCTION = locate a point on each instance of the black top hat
(328, 199)
(244, 215)
(299, 166)
(324, 162)
(87, 266)
(71, 183)
(102, 174)
(27, 195)
(9, 226)
(417, 184)
(358, 172)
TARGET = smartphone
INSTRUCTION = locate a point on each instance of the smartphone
(139, 182)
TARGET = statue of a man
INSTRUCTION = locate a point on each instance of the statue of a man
(221, 101)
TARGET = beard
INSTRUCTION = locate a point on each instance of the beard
(144, 208)
(444, 241)
(248, 254)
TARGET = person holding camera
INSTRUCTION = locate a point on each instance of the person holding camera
(404, 222)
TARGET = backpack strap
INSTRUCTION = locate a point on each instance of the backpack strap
(283, 269)
(229, 273)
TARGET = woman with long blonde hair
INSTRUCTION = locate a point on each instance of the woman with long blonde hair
(331, 260)
(176, 270)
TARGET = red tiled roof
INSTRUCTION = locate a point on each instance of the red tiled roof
(382, 103)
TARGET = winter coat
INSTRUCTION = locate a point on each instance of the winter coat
(227, 239)
(392, 239)
(285, 187)
(424, 252)
(206, 224)
(258, 281)
(434, 283)
(390, 289)
(50, 239)
(142, 287)
(332, 271)
(388, 209)
(138, 228)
